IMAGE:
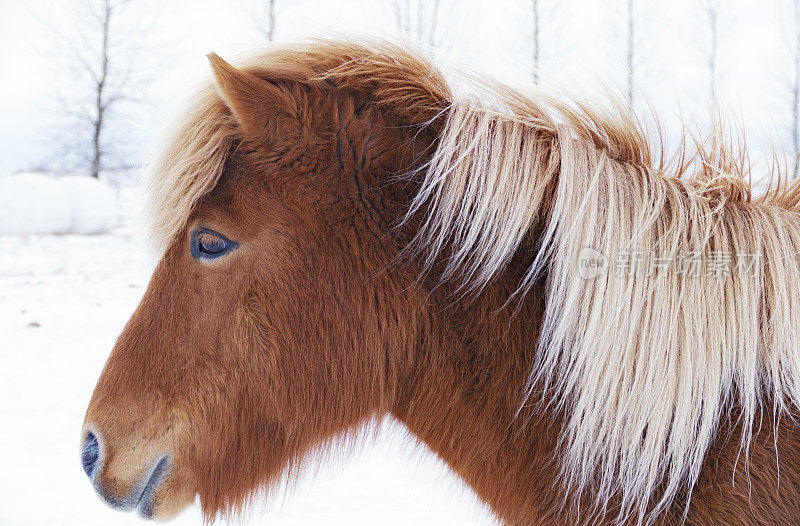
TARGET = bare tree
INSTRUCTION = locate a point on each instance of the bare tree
(263, 15)
(270, 29)
(535, 48)
(637, 31)
(712, 20)
(100, 75)
(542, 39)
(793, 83)
(630, 50)
(631, 43)
(101, 56)
(418, 20)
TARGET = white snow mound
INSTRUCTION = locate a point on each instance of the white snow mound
(33, 203)
(93, 203)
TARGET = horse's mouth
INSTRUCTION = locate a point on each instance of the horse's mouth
(144, 499)
(146, 502)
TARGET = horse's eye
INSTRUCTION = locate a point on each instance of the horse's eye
(207, 244)
(213, 245)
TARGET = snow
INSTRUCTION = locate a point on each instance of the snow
(93, 204)
(63, 301)
(35, 203)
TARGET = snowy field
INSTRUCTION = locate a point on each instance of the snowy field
(63, 301)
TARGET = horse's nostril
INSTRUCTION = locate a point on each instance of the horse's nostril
(90, 454)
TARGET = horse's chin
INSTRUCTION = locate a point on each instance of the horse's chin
(151, 490)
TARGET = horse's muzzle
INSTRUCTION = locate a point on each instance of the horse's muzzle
(142, 497)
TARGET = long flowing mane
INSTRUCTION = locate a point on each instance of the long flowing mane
(643, 364)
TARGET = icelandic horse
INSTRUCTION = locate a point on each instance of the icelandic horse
(344, 237)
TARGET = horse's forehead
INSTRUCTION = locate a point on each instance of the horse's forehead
(231, 194)
(244, 200)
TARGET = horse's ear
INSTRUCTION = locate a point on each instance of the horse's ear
(254, 102)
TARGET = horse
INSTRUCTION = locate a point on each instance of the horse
(347, 232)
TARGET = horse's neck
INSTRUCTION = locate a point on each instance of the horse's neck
(461, 397)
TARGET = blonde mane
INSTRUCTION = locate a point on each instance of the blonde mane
(643, 364)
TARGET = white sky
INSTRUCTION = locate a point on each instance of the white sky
(581, 40)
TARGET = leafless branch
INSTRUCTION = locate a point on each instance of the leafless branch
(712, 12)
(795, 88)
(535, 47)
(271, 20)
(630, 50)
(418, 20)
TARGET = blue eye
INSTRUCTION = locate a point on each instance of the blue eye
(207, 244)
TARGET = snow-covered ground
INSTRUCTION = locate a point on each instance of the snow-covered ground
(63, 300)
